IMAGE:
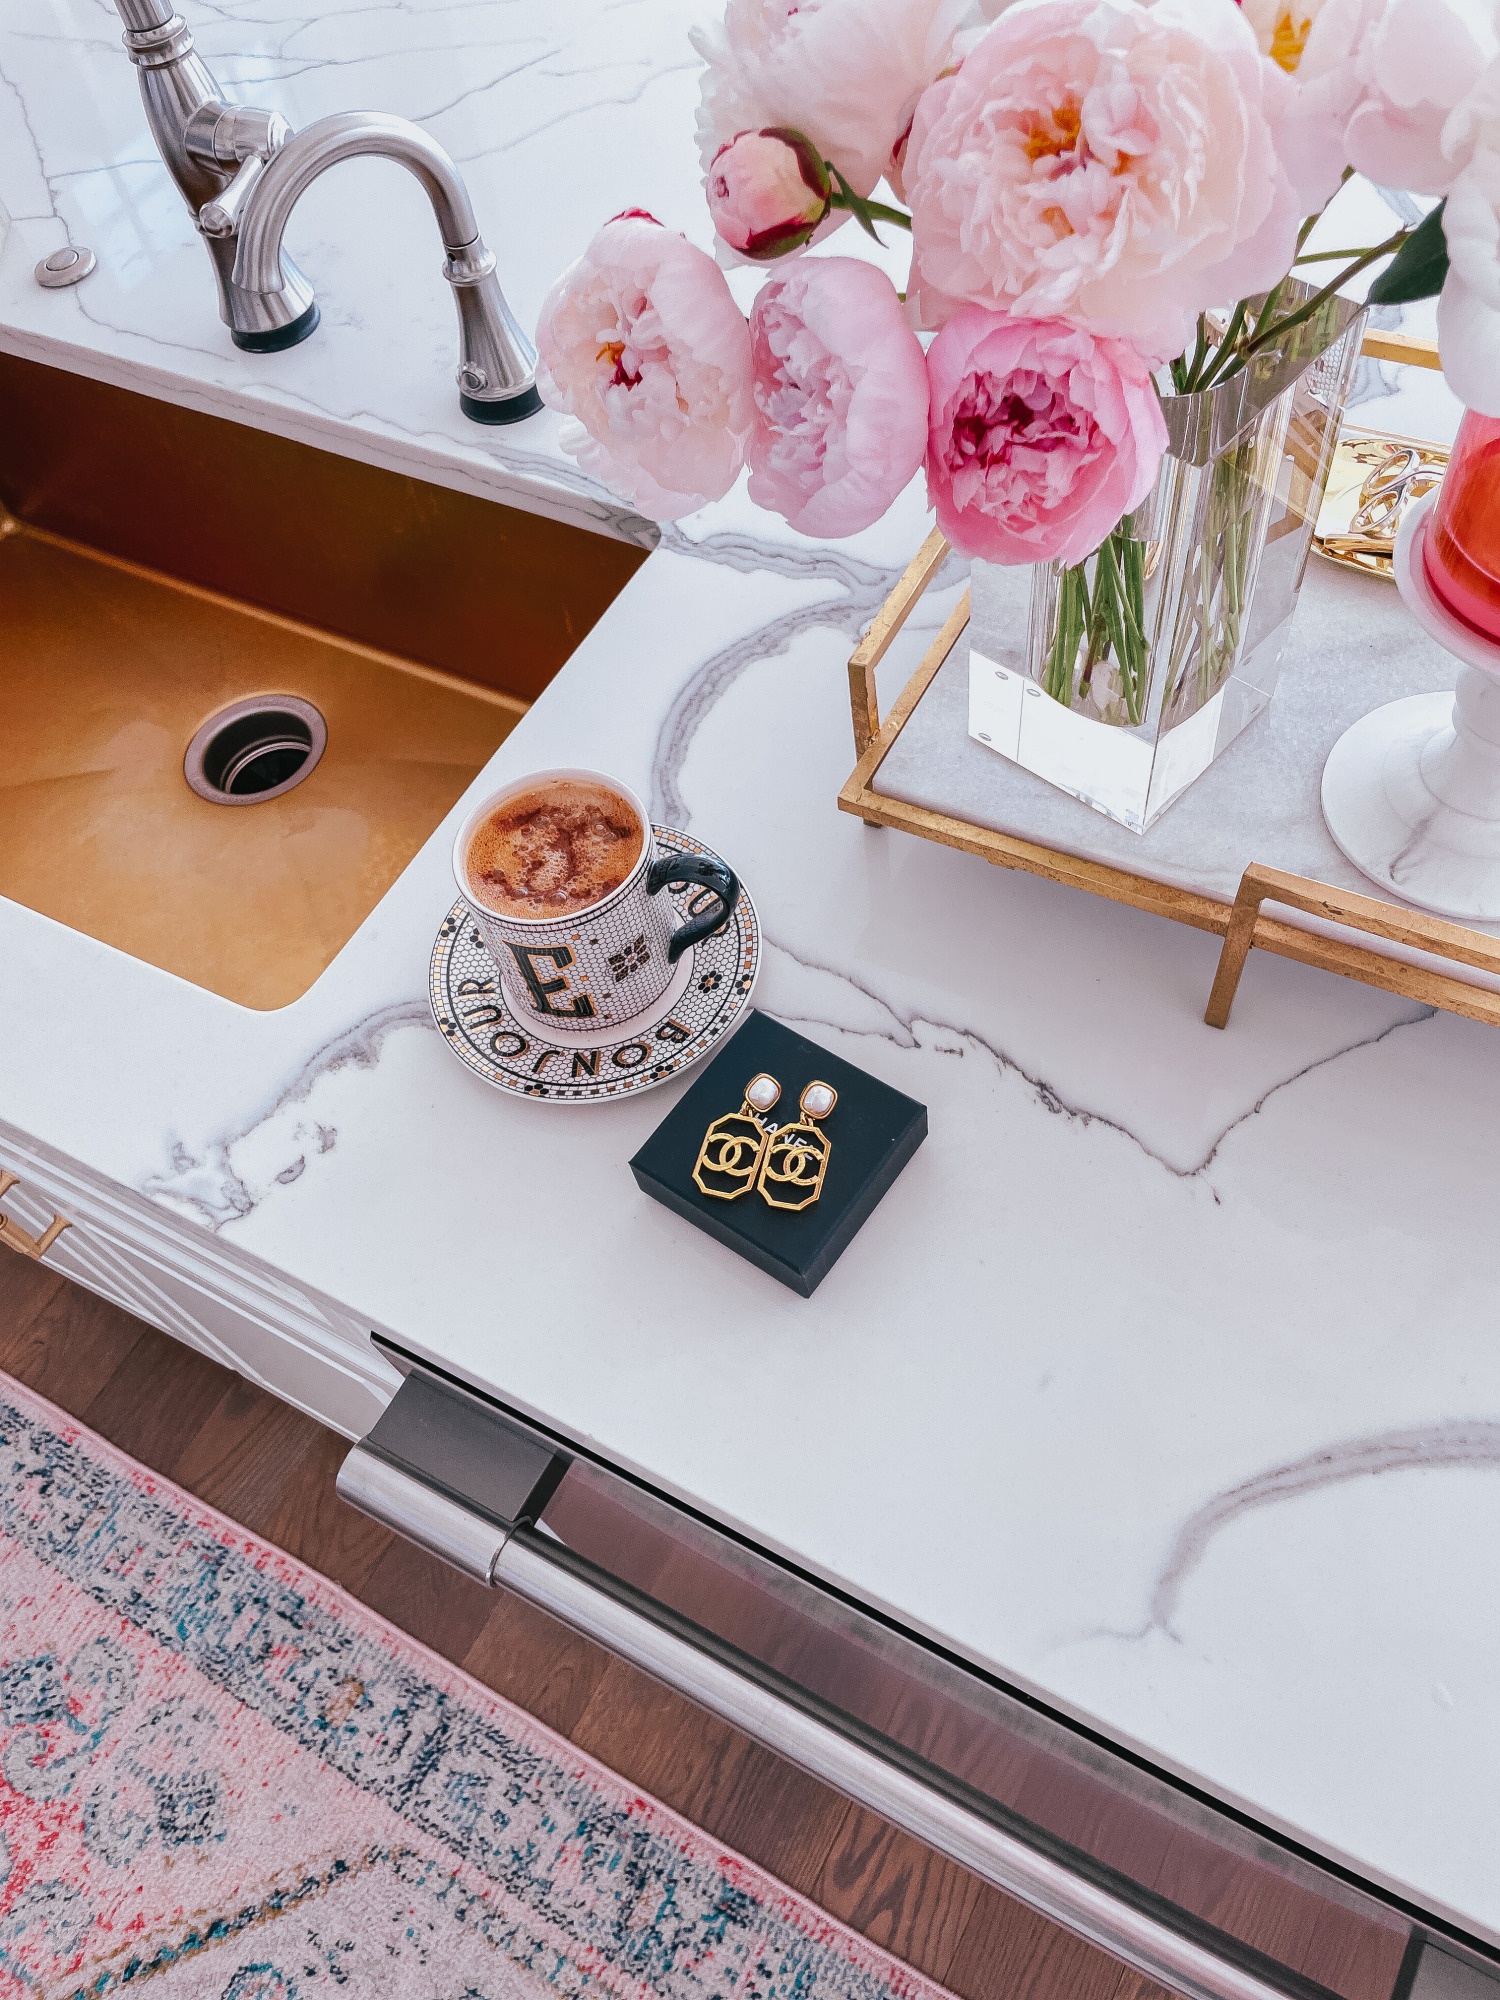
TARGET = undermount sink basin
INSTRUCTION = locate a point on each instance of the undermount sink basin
(159, 567)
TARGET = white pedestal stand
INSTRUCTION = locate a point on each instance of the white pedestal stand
(1412, 792)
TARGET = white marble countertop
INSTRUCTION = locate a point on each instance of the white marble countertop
(1165, 1377)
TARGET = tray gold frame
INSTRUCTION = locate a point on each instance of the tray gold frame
(1242, 923)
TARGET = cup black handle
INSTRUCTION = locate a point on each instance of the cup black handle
(713, 874)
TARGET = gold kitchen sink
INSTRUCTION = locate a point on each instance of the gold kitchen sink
(372, 638)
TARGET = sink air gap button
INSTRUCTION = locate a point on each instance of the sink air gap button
(68, 266)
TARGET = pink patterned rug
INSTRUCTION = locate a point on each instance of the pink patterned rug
(223, 1776)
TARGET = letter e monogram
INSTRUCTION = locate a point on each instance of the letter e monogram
(581, 1007)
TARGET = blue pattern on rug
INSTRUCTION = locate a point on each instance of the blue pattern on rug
(581, 1865)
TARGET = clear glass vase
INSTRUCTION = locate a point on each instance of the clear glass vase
(1156, 653)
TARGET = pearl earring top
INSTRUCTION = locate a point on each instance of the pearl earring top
(761, 1092)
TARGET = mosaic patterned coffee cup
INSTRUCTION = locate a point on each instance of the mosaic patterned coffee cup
(612, 961)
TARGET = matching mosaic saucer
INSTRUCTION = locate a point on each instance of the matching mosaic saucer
(504, 1042)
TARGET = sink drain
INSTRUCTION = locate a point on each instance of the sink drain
(255, 750)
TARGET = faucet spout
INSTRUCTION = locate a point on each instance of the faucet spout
(242, 172)
(496, 363)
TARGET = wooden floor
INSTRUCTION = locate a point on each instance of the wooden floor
(273, 1469)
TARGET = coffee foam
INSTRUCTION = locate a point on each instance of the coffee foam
(553, 852)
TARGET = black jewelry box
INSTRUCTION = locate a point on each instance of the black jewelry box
(872, 1131)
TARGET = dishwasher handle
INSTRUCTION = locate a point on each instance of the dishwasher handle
(1133, 1925)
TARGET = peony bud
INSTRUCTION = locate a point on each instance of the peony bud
(767, 192)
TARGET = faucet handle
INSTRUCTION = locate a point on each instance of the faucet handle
(230, 135)
(221, 216)
(237, 136)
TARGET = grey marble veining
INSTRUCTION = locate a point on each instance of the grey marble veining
(1473, 1445)
(1093, 1396)
(860, 588)
(211, 1188)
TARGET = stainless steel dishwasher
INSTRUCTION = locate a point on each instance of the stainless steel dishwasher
(1162, 1877)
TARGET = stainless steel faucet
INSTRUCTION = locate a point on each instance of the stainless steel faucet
(243, 171)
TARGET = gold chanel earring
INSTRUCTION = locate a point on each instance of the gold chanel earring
(796, 1159)
(729, 1160)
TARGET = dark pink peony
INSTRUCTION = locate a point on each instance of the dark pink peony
(1040, 436)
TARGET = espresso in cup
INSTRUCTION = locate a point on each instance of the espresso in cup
(562, 877)
(553, 851)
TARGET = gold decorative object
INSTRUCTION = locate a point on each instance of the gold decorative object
(22, 1240)
(1374, 478)
(734, 1146)
(1241, 923)
(797, 1158)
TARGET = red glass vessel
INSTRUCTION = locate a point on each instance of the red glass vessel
(1463, 535)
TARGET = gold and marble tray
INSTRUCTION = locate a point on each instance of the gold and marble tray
(1321, 923)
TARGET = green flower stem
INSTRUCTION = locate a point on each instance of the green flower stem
(876, 209)
(1228, 362)
(1133, 598)
(1112, 612)
(1184, 371)
(1225, 362)
(1305, 312)
(1072, 614)
(1120, 575)
(1313, 220)
(1111, 623)
(1200, 348)
(1204, 374)
(1263, 317)
(1329, 256)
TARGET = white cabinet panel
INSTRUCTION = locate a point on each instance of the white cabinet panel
(181, 1279)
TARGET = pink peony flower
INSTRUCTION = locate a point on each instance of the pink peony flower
(840, 396)
(1040, 437)
(1282, 28)
(641, 341)
(767, 192)
(1415, 87)
(1310, 131)
(1106, 162)
(845, 72)
(1416, 60)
